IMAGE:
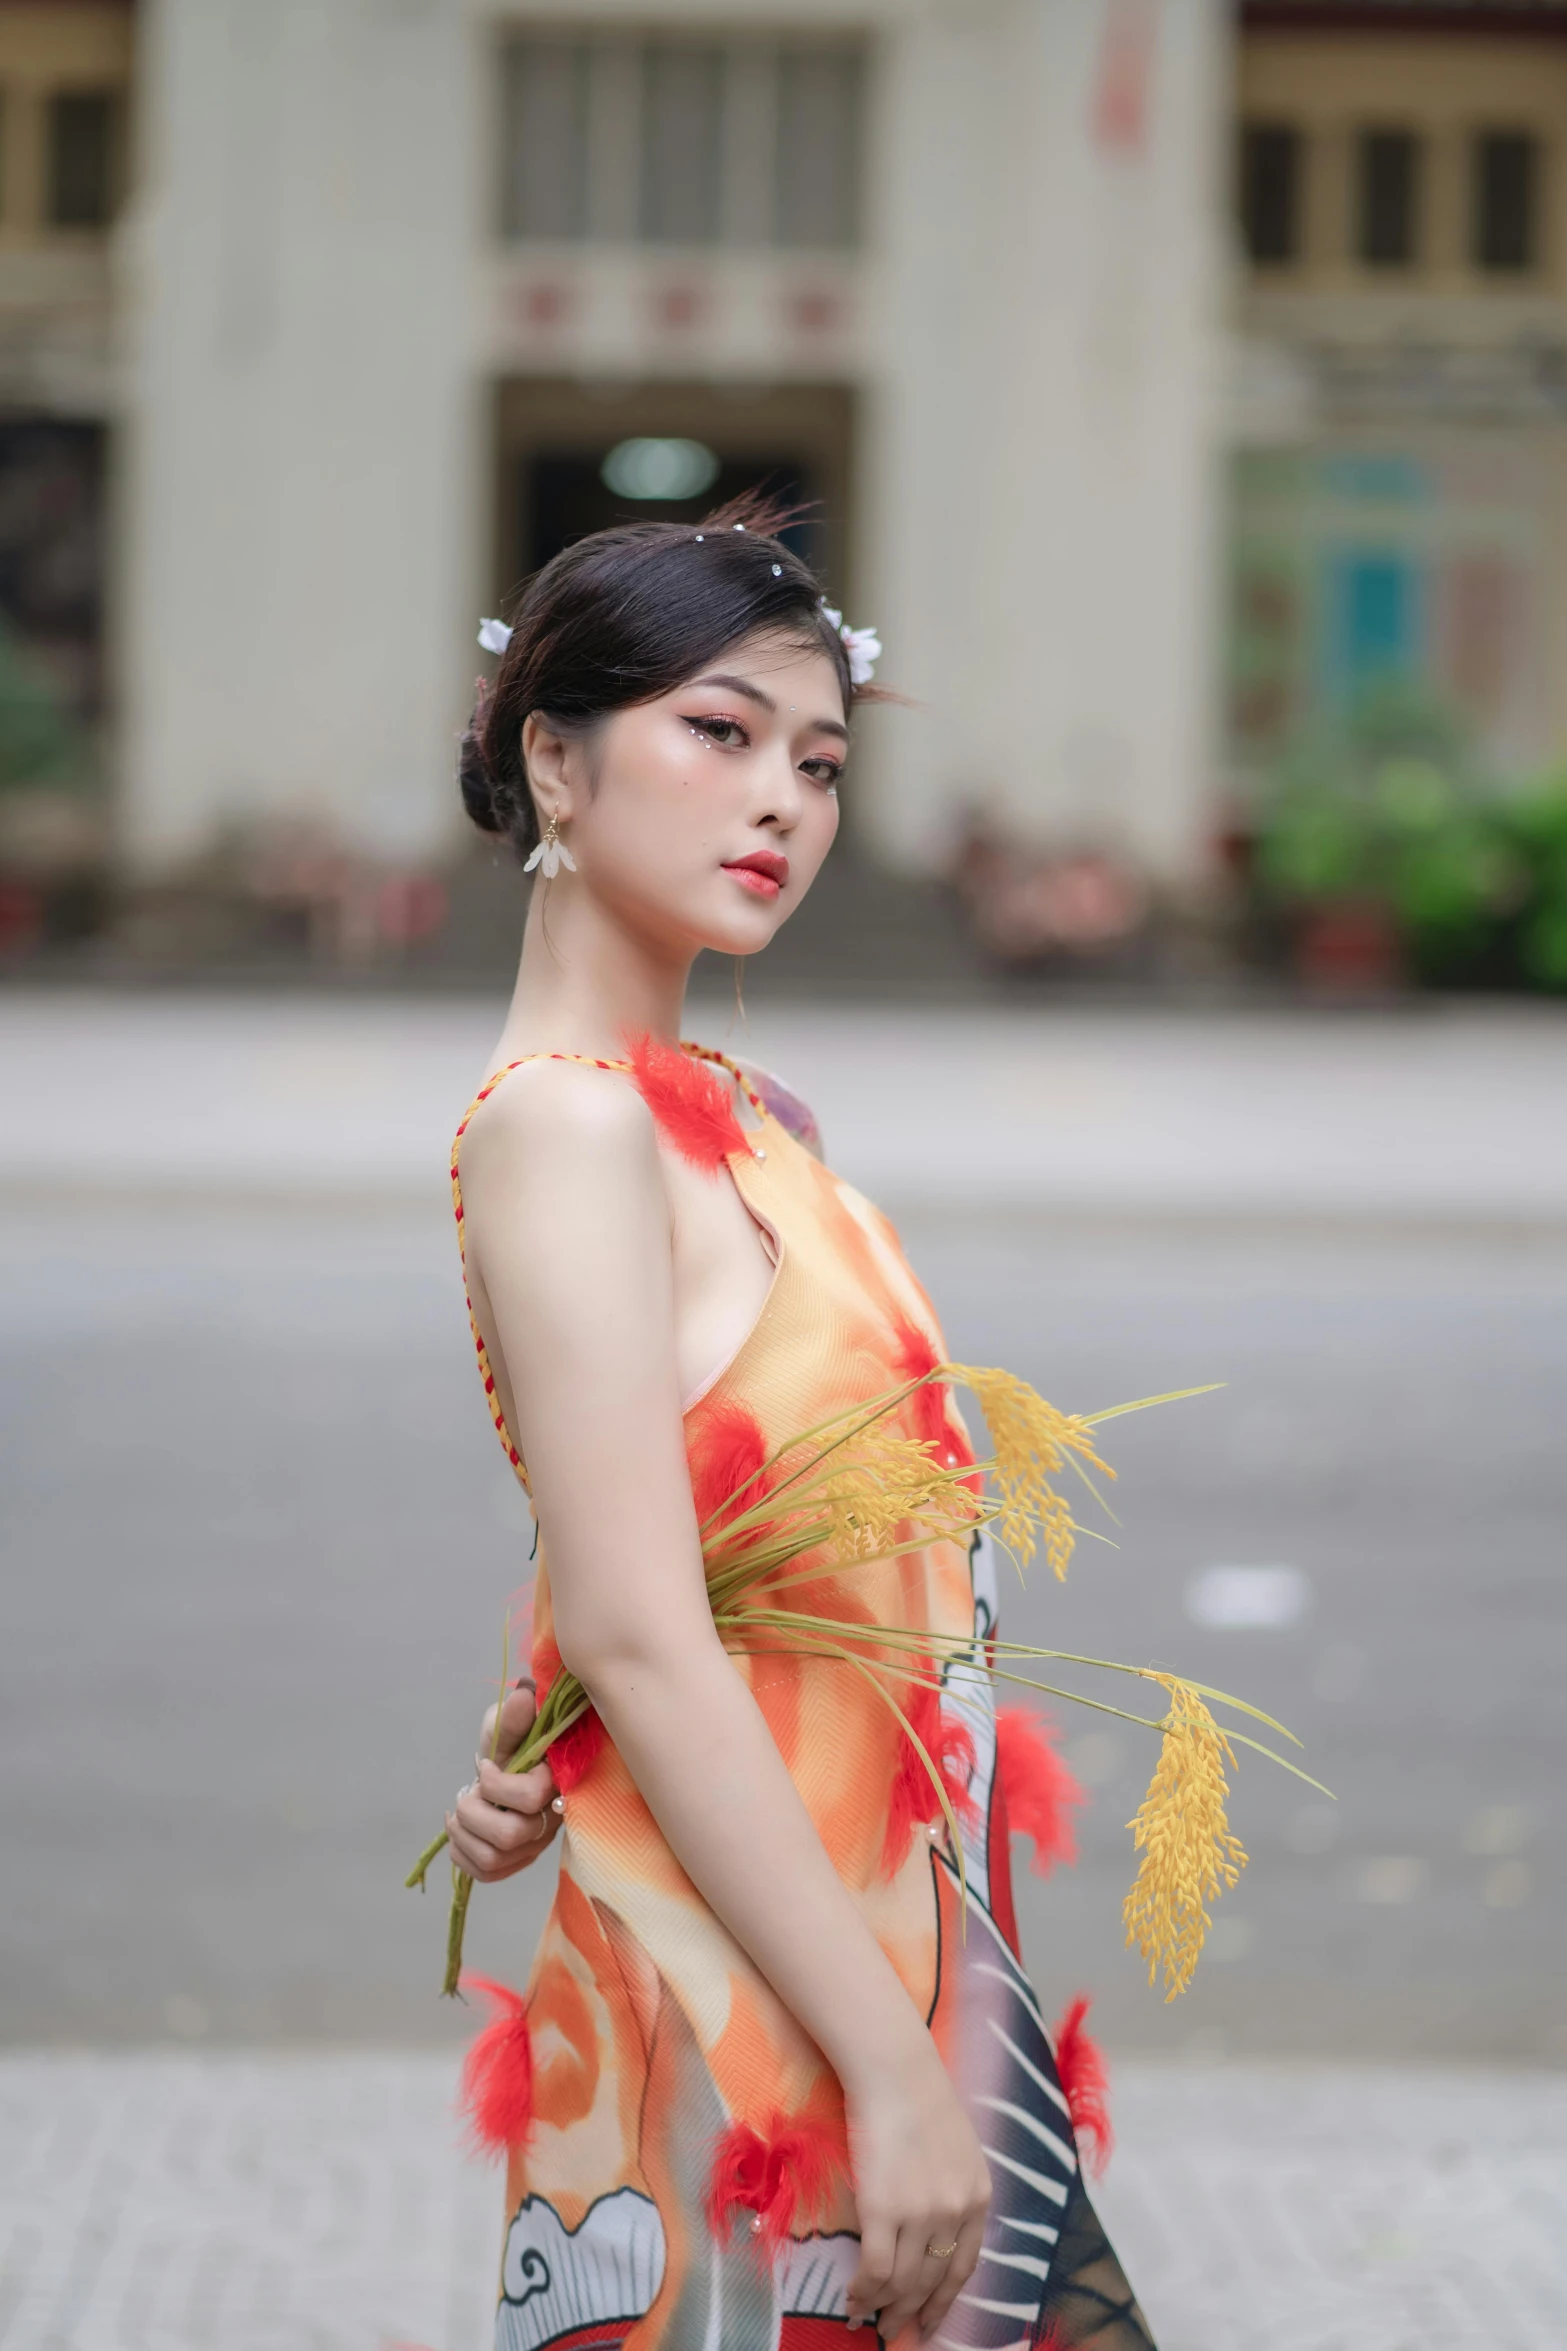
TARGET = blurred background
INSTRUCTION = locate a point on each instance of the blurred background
(1181, 389)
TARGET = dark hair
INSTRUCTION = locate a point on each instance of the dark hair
(624, 616)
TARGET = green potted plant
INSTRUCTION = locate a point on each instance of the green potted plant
(51, 819)
(1536, 828)
(1381, 852)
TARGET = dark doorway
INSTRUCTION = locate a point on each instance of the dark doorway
(564, 497)
(553, 437)
(52, 556)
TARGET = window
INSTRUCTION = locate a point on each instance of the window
(1374, 617)
(1271, 176)
(1506, 200)
(682, 144)
(83, 158)
(754, 141)
(1387, 198)
(545, 176)
(818, 146)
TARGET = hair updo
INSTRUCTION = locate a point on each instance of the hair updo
(622, 617)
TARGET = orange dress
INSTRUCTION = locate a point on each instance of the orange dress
(658, 2049)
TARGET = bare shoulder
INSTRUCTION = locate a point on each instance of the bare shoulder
(564, 1113)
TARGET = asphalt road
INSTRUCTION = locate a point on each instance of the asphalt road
(259, 1540)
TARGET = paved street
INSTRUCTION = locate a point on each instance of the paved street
(320, 2204)
(260, 1540)
(1431, 1115)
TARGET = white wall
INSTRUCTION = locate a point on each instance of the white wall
(301, 466)
(1041, 513)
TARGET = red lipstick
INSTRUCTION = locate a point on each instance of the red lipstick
(765, 872)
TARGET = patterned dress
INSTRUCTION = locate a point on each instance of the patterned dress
(653, 2035)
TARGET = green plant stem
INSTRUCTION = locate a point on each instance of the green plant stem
(860, 1416)
(1094, 1420)
(456, 1922)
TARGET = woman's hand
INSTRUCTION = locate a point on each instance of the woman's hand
(504, 1819)
(919, 2180)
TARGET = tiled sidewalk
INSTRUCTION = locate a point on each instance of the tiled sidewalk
(236, 2203)
(318, 2203)
(1274, 2209)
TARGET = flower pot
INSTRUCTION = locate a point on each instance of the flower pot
(1348, 946)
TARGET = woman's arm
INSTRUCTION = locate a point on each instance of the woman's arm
(569, 1220)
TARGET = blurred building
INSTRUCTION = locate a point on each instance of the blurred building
(1400, 495)
(1064, 310)
(404, 273)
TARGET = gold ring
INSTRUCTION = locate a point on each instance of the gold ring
(941, 2252)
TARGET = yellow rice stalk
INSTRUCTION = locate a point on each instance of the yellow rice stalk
(1032, 1440)
(1189, 1855)
(871, 1494)
(886, 1482)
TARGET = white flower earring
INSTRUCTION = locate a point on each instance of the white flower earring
(552, 852)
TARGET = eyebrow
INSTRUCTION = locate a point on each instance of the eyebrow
(821, 726)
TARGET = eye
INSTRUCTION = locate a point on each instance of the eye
(822, 771)
(725, 734)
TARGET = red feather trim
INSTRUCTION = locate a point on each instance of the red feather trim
(1041, 1790)
(928, 1407)
(788, 2174)
(497, 2074)
(726, 1449)
(689, 1103)
(522, 1622)
(912, 1800)
(1084, 2084)
(572, 1756)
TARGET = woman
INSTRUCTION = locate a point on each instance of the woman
(776, 2087)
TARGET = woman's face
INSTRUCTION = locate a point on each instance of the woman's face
(701, 819)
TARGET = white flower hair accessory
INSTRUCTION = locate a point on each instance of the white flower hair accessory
(494, 636)
(863, 647)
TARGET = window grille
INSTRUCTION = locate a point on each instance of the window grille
(1388, 198)
(83, 158)
(1271, 184)
(545, 176)
(682, 144)
(746, 141)
(819, 105)
(1506, 200)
